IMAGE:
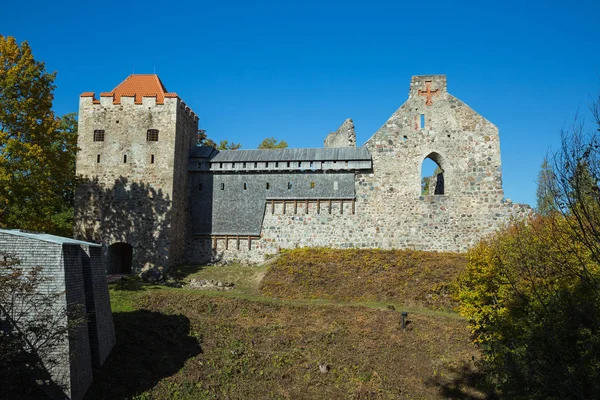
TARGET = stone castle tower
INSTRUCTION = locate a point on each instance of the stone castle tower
(133, 160)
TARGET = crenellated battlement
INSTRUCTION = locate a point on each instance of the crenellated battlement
(108, 99)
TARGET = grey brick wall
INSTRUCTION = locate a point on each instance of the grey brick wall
(100, 322)
(78, 275)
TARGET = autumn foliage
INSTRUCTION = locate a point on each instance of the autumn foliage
(532, 292)
(37, 150)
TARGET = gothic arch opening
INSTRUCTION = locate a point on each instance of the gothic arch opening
(120, 257)
(432, 175)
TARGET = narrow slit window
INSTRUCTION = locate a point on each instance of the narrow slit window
(268, 186)
(422, 121)
(98, 159)
(124, 158)
(245, 186)
(288, 164)
(255, 165)
(299, 164)
(276, 164)
(312, 164)
(221, 165)
(267, 165)
(222, 186)
(151, 158)
(244, 165)
(152, 135)
(289, 185)
(98, 135)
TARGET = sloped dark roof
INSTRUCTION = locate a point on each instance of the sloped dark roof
(317, 154)
(203, 152)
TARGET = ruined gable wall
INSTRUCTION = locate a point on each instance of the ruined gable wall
(129, 201)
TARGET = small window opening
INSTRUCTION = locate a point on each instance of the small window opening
(152, 135)
(276, 165)
(244, 165)
(98, 158)
(98, 135)
(255, 165)
(312, 185)
(422, 121)
(245, 186)
(117, 121)
(268, 186)
(232, 165)
(124, 158)
(404, 137)
(221, 165)
(267, 164)
(448, 136)
(289, 185)
(222, 186)
(288, 164)
(299, 164)
(151, 158)
(312, 164)
(199, 186)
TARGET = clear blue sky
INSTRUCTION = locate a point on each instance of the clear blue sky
(296, 70)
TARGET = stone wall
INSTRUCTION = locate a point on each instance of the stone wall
(390, 211)
(133, 190)
(100, 323)
(345, 136)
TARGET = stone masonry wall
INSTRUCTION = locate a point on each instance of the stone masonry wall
(390, 211)
(140, 198)
(345, 136)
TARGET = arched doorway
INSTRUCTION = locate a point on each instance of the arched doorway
(120, 257)
(432, 175)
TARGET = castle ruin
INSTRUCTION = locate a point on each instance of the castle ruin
(149, 194)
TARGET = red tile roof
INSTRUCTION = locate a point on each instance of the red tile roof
(140, 85)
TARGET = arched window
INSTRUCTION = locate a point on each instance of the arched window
(432, 175)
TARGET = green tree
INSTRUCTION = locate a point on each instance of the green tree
(531, 293)
(272, 143)
(36, 156)
(204, 140)
(225, 145)
(545, 192)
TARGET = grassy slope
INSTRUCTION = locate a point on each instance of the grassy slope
(177, 343)
(414, 278)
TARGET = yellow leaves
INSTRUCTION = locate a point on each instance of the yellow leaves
(36, 157)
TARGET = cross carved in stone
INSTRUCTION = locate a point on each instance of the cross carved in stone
(428, 93)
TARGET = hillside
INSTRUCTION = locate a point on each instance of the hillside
(413, 278)
(242, 344)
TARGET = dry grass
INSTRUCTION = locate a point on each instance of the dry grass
(413, 278)
(242, 344)
(261, 350)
